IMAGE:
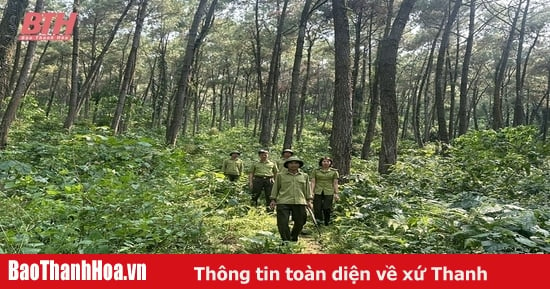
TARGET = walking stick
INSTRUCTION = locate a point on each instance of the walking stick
(308, 209)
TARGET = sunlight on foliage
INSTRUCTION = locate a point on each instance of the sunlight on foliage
(91, 192)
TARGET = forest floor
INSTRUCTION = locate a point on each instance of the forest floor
(311, 245)
(309, 241)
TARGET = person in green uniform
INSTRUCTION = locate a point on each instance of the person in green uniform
(285, 154)
(324, 184)
(260, 178)
(291, 194)
(232, 167)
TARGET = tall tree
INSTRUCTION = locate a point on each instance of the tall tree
(546, 113)
(342, 117)
(129, 69)
(21, 86)
(500, 72)
(311, 37)
(387, 69)
(161, 93)
(272, 86)
(257, 44)
(85, 89)
(359, 8)
(373, 76)
(73, 98)
(190, 52)
(519, 113)
(13, 14)
(463, 100)
(194, 94)
(440, 75)
(295, 82)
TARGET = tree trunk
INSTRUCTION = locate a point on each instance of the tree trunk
(20, 87)
(519, 113)
(14, 72)
(73, 98)
(83, 91)
(37, 66)
(388, 100)
(374, 86)
(270, 94)
(463, 102)
(453, 79)
(13, 14)
(357, 91)
(342, 122)
(258, 63)
(162, 92)
(231, 95)
(440, 75)
(295, 82)
(129, 69)
(179, 108)
(501, 74)
(53, 86)
(303, 93)
(546, 114)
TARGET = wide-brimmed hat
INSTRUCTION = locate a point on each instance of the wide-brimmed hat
(288, 151)
(234, 152)
(325, 158)
(293, 159)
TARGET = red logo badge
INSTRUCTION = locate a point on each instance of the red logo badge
(47, 26)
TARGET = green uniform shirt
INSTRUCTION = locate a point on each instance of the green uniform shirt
(324, 180)
(232, 167)
(264, 169)
(291, 189)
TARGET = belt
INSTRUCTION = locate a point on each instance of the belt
(263, 177)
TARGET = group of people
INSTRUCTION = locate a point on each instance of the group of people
(287, 189)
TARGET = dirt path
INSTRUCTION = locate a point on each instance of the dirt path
(312, 247)
(311, 241)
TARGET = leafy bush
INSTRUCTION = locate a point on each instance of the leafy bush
(91, 192)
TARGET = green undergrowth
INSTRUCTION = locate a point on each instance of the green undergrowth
(87, 191)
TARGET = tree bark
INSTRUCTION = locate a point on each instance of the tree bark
(295, 82)
(440, 74)
(303, 93)
(519, 113)
(13, 14)
(374, 86)
(270, 94)
(179, 108)
(387, 68)
(73, 98)
(356, 86)
(129, 69)
(342, 118)
(463, 102)
(83, 91)
(20, 87)
(546, 114)
(501, 74)
(162, 90)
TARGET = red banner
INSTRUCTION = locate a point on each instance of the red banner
(274, 271)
